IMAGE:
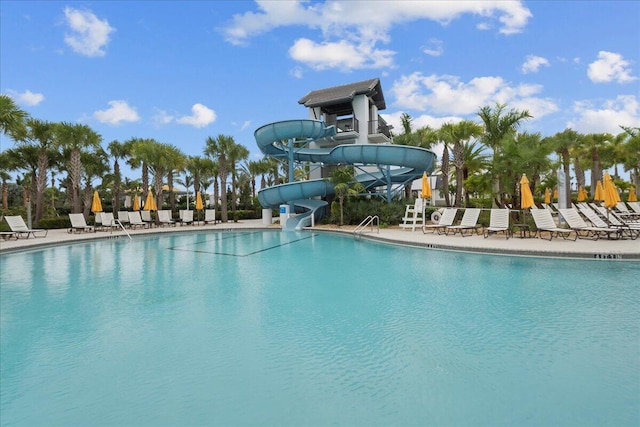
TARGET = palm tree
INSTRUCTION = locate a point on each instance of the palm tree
(12, 118)
(7, 165)
(95, 165)
(476, 161)
(345, 185)
(176, 161)
(563, 142)
(236, 155)
(632, 157)
(118, 151)
(593, 143)
(186, 182)
(139, 150)
(459, 134)
(41, 135)
(498, 125)
(76, 138)
(220, 150)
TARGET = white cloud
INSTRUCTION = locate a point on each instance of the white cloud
(607, 117)
(533, 64)
(162, 118)
(27, 97)
(89, 35)
(118, 112)
(202, 116)
(610, 67)
(355, 27)
(342, 54)
(448, 95)
(434, 48)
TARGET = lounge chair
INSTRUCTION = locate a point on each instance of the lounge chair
(79, 224)
(469, 222)
(545, 224)
(498, 223)
(635, 206)
(413, 214)
(164, 217)
(611, 221)
(6, 235)
(146, 217)
(123, 217)
(108, 221)
(210, 216)
(186, 217)
(584, 230)
(135, 220)
(20, 229)
(446, 220)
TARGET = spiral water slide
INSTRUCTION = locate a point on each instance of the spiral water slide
(409, 163)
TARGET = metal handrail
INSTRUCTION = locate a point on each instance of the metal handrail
(117, 221)
(368, 221)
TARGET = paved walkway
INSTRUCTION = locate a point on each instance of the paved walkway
(497, 244)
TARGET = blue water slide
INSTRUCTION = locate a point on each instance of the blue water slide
(272, 139)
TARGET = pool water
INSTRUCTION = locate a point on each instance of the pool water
(272, 328)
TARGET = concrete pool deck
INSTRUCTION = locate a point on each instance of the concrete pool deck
(625, 249)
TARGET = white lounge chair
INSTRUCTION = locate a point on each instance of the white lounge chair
(79, 224)
(123, 217)
(20, 229)
(635, 206)
(498, 223)
(186, 217)
(545, 224)
(469, 222)
(108, 221)
(146, 217)
(210, 216)
(584, 230)
(135, 220)
(164, 217)
(447, 218)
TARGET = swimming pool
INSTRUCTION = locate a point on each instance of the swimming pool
(272, 328)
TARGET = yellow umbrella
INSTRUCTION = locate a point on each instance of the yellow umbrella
(136, 203)
(150, 203)
(426, 187)
(96, 205)
(555, 194)
(547, 196)
(632, 195)
(526, 198)
(199, 205)
(611, 196)
(599, 194)
(581, 195)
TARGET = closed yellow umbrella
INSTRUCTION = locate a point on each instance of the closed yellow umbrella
(426, 187)
(526, 198)
(547, 196)
(632, 195)
(199, 205)
(150, 203)
(611, 196)
(581, 195)
(555, 194)
(136, 203)
(599, 194)
(96, 204)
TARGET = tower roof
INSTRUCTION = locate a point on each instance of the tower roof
(337, 99)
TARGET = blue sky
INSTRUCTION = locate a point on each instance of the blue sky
(179, 72)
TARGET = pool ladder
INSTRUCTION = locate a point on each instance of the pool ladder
(117, 221)
(370, 221)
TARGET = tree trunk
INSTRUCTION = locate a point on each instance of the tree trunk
(41, 185)
(75, 166)
(117, 180)
(445, 175)
(172, 195)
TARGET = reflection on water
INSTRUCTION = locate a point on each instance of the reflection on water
(272, 328)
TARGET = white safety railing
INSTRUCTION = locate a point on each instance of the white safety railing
(370, 221)
(117, 221)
